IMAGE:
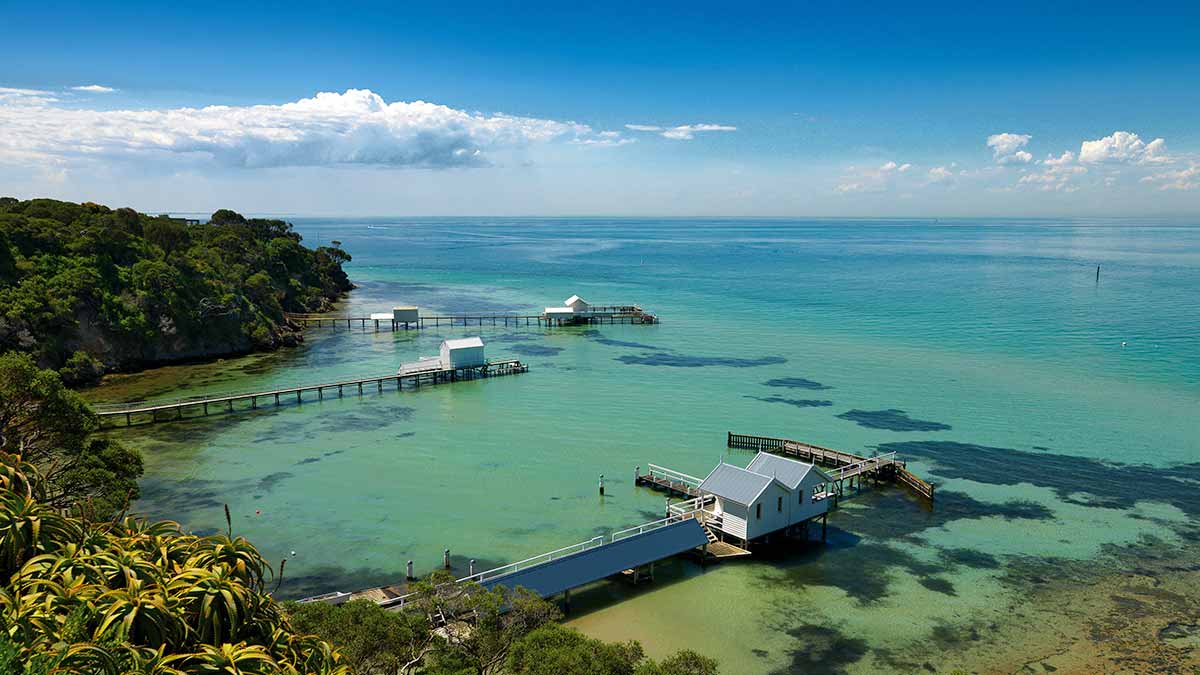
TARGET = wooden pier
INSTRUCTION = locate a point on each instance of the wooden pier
(674, 483)
(846, 468)
(603, 314)
(148, 412)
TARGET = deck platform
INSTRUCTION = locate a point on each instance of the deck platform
(723, 550)
(148, 412)
(674, 483)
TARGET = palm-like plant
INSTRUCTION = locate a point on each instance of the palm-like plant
(136, 597)
(214, 601)
(228, 659)
(238, 554)
(139, 614)
(27, 528)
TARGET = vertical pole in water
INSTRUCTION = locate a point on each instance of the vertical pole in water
(471, 568)
(824, 523)
(566, 600)
(637, 473)
(408, 575)
(601, 485)
(1097, 274)
(446, 559)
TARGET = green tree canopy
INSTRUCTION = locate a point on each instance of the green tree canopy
(52, 428)
(131, 290)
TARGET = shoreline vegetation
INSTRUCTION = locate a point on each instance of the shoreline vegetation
(88, 290)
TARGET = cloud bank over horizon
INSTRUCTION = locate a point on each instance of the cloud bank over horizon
(329, 129)
(59, 142)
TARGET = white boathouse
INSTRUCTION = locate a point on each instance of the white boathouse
(462, 353)
(770, 495)
(572, 308)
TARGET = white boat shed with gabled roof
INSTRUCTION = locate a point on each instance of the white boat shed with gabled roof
(571, 308)
(462, 353)
(577, 304)
(771, 494)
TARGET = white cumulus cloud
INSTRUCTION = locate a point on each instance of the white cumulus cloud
(1123, 147)
(354, 127)
(683, 132)
(1066, 158)
(941, 175)
(1182, 179)
(878, 179)
(1006, 148)
(94, 88)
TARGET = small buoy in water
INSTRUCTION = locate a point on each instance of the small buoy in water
(1124, 343)
(293, 554)
(258, 512)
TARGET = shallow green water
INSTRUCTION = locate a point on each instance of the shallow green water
(993, 339)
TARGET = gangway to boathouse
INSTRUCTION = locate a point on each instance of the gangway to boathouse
(570, 567)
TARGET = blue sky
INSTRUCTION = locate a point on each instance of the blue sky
(548, 109)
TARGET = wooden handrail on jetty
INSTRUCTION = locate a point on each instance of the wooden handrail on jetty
(396, 596)
(413, 378)
(845, 465)
(598, 314)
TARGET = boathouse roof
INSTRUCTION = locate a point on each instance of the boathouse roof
(463, 343)
(787, 471)
(574, 299)
(735, 483)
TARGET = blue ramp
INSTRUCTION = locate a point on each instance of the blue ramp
(597, 563)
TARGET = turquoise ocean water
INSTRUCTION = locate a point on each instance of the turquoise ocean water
(1057, 414)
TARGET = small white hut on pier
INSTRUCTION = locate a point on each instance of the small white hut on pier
(771, 494)
(572, 308)
(405, 315)
(462, 353)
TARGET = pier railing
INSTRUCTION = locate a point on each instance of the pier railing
(844, 464)
(864, 465)
(281, 394)
(672, 476)
(536, 560)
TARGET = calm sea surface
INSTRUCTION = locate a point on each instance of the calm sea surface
(1060, 416)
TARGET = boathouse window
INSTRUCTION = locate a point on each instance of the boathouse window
(801, 495)
(779, 504)
(758, 511)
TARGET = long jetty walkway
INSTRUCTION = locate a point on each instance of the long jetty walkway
(148, 412)
(596, 314)
(846, 469)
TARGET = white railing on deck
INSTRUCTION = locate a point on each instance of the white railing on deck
(673, 476)
(881, 460)
(536, 560)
